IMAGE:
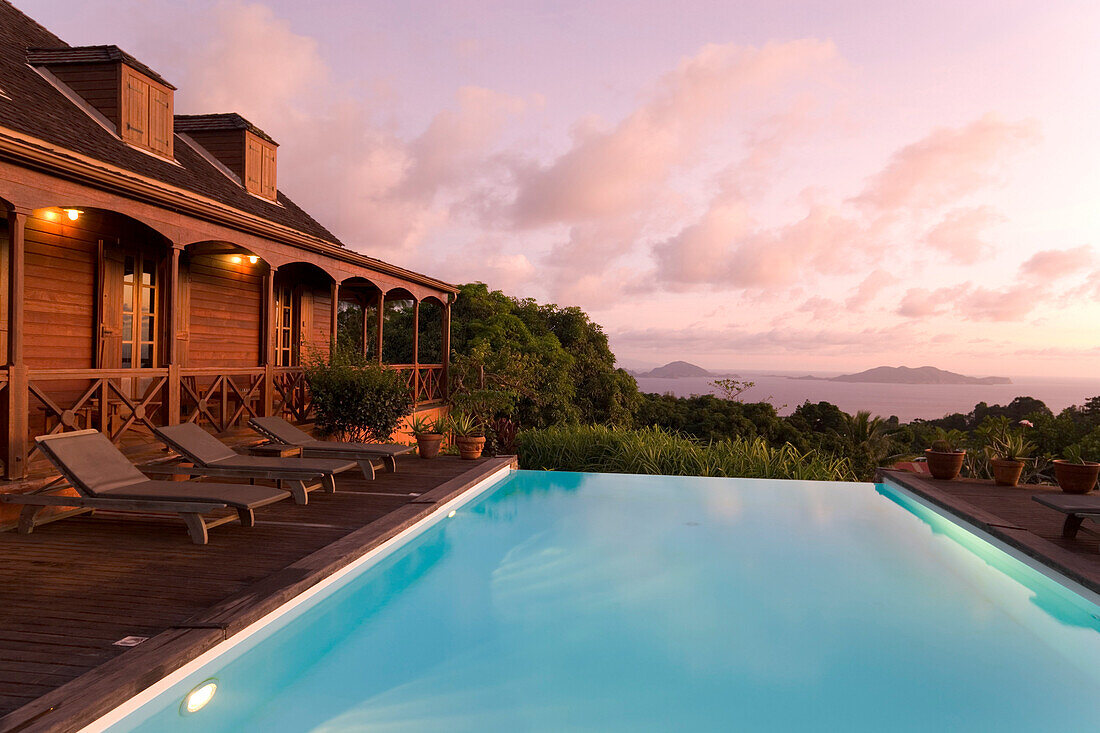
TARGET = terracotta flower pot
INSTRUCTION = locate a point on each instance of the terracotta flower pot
(1076, 478)
(427, 444)
(1007, 473)
(945, 466)
(470, 447)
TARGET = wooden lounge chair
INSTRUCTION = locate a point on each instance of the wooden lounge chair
(1076, 507)
(214, 458)
(106, 479)
(278, 430)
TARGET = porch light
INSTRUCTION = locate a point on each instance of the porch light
(199, 697)
(253, 259)
(235, 259)
(73, 214)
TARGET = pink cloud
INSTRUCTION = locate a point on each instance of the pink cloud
(613, 171)
(722, 251)
(947, 164)
(973, 303)
(1053, 264)
(958, 234)
(922, 303)
(868, 289)
(375, 190)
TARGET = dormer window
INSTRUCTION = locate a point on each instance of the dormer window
(122, 91)
(244, 149)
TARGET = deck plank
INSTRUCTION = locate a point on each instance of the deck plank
(73, 587)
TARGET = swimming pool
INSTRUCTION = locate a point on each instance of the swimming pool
(563, 601)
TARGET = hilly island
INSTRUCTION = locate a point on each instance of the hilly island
(909, 375)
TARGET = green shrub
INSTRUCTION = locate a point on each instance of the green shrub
(654, 450)
(356, 400)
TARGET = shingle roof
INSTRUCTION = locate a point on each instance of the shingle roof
(89, 55)
(226, 121)
(39, 110)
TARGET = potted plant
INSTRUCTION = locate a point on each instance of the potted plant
(468, 435)
(945, 458)
(1075, 475)
(1007, 453)
(428, 434)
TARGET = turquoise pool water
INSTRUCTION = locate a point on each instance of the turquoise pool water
(561, 601)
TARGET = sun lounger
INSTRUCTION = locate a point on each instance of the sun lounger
(1076, 507)
(278, 430)
(105, 479)
(214, 458)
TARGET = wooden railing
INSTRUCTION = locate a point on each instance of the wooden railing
(221, 397)
(114, 401)
(291, 396)
(426, 381)
(127, 403)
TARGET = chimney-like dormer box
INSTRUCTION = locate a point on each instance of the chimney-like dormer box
(246, 150)
(124, 91)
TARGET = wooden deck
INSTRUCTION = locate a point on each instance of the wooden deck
(1009, 514)
(75, 587)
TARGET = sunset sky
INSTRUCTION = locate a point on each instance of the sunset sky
(747, 185)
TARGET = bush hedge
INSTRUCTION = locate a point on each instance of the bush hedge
(356, 400)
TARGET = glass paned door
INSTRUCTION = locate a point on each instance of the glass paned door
(286, 353)
(139, 312)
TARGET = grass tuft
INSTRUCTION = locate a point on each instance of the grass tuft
(654, 450)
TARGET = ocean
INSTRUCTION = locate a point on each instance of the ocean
(906, 401)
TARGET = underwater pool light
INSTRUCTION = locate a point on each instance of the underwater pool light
(199, 697)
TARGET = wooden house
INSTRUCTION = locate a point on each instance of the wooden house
(152, 270)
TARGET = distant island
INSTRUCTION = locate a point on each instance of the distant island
(677, 370)
(908, 375)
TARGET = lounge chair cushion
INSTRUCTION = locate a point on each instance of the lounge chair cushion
(279, 429)
(91, 461)
(196, 443)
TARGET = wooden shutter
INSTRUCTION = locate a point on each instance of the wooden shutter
(5, 249)
(304, 337)
(267, 172)
(160, 121)
(183, 316)
(135, 108)
(110, 325)
(253, 164)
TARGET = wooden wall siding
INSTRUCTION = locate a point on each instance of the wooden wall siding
(225, 145)
(98, 84)
(317, 339)
(226, 303)
(59, 321)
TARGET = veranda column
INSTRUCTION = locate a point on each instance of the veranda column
(18, 423)
(416, 353)
(381, 320)
(267, 347)
(172, 350)
(363, 300)
(445, 348)
(335, 322)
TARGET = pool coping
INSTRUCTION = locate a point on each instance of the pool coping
(82, 701)
(1023, 540)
